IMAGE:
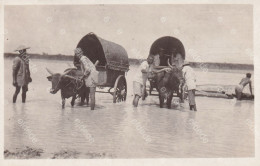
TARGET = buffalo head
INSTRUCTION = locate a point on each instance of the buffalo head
(155, 77)
(58, 80)
(167, 82)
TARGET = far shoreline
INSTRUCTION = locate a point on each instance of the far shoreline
(208, 65)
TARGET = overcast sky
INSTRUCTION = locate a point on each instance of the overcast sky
(211, 33)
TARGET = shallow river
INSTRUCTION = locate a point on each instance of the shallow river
(220, 128)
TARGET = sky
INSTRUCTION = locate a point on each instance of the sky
(209, 33)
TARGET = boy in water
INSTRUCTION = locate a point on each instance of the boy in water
(139, 83)
(239, 88)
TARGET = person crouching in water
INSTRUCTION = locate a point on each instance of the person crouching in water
(21, 73)
(140, 79)
(239, 88)
(190, 82)
(90, 75)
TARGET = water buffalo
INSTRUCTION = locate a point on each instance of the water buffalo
(69, 85)
(166, 83)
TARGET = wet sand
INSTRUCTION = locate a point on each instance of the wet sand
(220, 128)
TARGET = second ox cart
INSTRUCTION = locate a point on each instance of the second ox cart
(169, 52)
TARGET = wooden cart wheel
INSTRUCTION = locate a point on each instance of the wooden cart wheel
(120, 89)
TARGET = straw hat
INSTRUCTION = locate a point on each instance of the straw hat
(22, 47)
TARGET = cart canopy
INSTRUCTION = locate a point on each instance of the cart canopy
(170, 45)
(109, 54)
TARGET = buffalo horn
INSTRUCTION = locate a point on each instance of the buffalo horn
(161, 70)
(65, 73)
(170, 64)
(97, 62)
(49, 71)
(69, 77)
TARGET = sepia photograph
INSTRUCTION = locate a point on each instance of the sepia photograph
(128, 81)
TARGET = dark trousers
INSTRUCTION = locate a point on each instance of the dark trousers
(17, 91)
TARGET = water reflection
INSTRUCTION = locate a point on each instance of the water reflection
(128, 132)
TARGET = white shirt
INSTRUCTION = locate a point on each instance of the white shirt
(189, 77)
(140, 76)
(87, 65)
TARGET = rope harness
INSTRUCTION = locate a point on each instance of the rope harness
(77, 84)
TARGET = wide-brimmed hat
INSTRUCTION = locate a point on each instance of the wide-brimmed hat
(185, 63)
(22, 47)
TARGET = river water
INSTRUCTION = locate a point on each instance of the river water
(220, 127)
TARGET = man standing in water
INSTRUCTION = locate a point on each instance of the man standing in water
(239, 88)
(140, 79)
(90, 75)
(190, 82)
(21, 73)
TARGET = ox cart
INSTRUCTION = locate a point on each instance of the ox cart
(170, 52)
(112, 66)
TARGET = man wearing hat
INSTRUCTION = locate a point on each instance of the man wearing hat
(190, 83)
(90, 74)
(21, 73)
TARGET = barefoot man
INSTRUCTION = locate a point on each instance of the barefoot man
(90, 75)
(190, 83)
(139, 83)
(21, 73)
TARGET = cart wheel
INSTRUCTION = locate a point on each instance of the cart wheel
(120, 89)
